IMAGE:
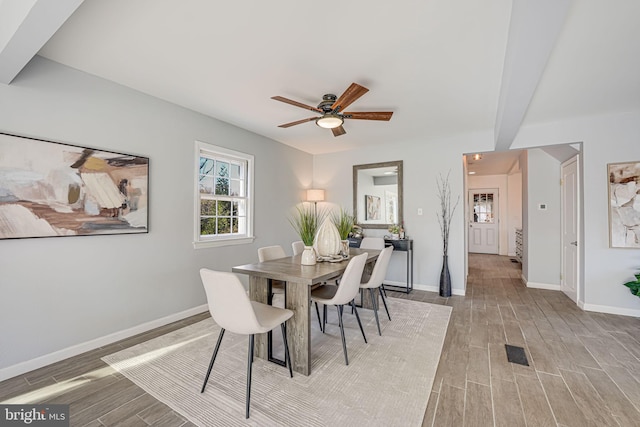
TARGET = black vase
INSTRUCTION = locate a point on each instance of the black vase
(445, 278)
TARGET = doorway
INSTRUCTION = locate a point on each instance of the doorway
(483, 221)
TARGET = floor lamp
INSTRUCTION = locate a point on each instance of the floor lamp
(315, 195)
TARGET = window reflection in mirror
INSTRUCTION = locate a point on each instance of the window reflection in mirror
(377, 194)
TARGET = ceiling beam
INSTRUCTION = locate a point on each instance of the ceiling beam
(533, 32)
(25, 26)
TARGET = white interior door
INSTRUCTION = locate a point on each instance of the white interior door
(569, 279)
(483, 221)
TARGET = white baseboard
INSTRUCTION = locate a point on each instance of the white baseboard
(56, 356)
(548, 286)
(610, 310)
(427, 288)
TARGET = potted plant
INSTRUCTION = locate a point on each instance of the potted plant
(445, 215)
(394, 229)
(344, 222)
(634, 286)
(305, 222)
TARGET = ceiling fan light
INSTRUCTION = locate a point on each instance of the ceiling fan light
(330, 121)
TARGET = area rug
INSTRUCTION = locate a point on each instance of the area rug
(387, 381)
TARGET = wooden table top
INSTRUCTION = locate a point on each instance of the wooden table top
(290, 270)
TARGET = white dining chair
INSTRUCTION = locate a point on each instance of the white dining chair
(376, 243)
(297, 247)
(375, 282)
(232, 310)
(269, 253)
(341, 295)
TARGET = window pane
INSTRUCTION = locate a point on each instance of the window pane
(224, 208)
(234, 226)
(222, 186)
(235, 188)
(207, 207)
(222, 169)
(207, 226)
(206, 166)
(239, 208)
(235, 171)
(224, 225)
(206, 184)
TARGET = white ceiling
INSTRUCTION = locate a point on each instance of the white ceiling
(440, 65)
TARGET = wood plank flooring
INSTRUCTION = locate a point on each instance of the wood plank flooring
(584, 367)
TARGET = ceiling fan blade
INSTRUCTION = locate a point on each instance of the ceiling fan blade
(288, 125)
(352, 93)
(338, 131)
(372, 115)
(296, 103)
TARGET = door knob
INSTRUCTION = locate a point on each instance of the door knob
(575, 243)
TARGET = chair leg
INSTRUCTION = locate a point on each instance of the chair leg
(324, 317)
(287, 357)
(375, 309)
(383, 289)
(344, 343)
(213, 359)
(249, 365)
(318, 313)
(383, 296)
(353, 307)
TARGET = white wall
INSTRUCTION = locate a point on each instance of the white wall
(423, 161)
(60, 292)
(606, 139)
(544, 232)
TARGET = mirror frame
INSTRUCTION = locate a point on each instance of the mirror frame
(356, 169)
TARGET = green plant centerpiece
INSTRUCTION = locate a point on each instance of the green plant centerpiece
(306, 222)
(344, 222)
(394, 229)
(634, 286)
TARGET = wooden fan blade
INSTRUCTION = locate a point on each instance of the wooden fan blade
(296, 103)
(338, 131)
(372, 115)
(352, 93)
(288, 125)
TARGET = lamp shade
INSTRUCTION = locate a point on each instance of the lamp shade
(315, 195)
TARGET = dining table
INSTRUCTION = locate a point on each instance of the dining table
(298, 280)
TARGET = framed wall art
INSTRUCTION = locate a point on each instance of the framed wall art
(372, 207)
(50, 189)
(624, 204)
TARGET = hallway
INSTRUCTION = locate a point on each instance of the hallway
(584, 367)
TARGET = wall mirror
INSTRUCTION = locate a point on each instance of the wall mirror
(377, 194)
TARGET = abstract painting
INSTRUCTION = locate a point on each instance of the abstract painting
(373, 207)
(52, 189)
(624, 204)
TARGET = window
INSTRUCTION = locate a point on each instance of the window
(224, 199)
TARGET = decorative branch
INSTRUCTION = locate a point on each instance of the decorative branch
(446, 211)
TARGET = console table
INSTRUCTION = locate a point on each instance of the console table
(400, 245)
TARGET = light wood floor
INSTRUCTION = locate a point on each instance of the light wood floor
(584, 371)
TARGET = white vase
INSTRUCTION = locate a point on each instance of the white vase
(327, 241)
(308, 256)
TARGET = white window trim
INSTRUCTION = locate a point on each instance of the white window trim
(219, 241)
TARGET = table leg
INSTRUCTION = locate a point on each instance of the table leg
(299, 326)
(259, 291)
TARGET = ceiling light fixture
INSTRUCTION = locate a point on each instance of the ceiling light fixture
(472, 173)
(330, 121)
(477, 156)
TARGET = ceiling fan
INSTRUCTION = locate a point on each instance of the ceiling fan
(332, 109)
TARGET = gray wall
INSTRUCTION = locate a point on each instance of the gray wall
(544, 232)
(61, 292)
